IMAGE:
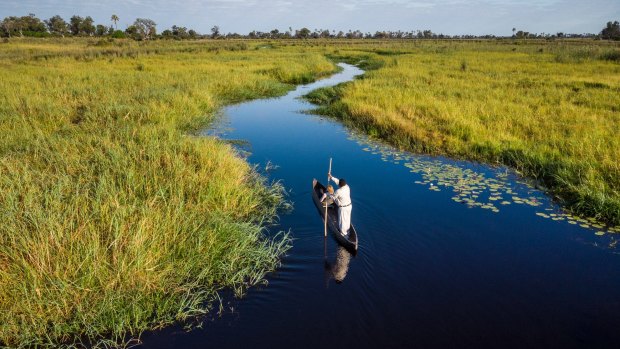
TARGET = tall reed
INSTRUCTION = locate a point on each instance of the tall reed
(549, 109)
(115, 217)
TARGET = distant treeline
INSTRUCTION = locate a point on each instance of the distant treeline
(146, 29)
(56, 26)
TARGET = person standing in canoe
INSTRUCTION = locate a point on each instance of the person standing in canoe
(342, 199)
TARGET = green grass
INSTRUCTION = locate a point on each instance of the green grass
(551, 110)
(115, 219)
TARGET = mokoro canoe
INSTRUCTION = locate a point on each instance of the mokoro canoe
(350, 241)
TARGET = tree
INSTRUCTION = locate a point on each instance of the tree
(101, 30)
(513, 31)
(10, 25)
(87, 27)
(117, 34)
(74, 24)
(145, 28)
(215, 32)
(57, 26)
(132, 32)
(32, 26)
(302, 33)
(115, 19)
(611, 31)
(380, 35)
(23, 26)
(179, 32)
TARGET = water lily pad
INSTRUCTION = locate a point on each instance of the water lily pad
(475, 189)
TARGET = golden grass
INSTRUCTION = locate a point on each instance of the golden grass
(551, 110)
(115, 219)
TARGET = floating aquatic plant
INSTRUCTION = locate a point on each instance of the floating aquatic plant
(475, 189)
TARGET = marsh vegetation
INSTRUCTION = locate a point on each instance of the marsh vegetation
(548, 109)
(117, 219)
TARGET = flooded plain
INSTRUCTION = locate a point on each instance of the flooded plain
(451, 253)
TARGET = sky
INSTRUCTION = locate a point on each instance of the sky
(452, 17)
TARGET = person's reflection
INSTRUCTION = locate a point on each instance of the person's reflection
(339, 269)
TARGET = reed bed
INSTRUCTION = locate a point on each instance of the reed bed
(551, 110)
(115, 218)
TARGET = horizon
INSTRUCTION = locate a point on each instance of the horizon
(448, 17)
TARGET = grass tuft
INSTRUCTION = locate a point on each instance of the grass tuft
(115, 219)
(552, 114)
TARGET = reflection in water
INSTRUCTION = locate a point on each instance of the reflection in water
(338, 270)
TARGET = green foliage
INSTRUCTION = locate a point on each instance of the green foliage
(324, 96)
(611, 55)
(118, 34)
(57, 26)
(552, 115)
(464, 65)
(23, 26)
(303, 33)
(145, 28)
(611, 31)
(115, 218)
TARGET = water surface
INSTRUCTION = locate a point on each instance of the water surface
(451, 254)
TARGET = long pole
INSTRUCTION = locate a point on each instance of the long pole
(328, 173)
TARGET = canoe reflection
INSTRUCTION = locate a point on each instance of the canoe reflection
(338, 270)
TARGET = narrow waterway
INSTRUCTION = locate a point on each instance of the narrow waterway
(452, 254)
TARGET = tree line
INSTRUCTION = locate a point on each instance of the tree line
(146, 29)
(56, 26)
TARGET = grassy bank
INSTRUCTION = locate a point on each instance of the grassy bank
(549, 109)
(114, 218)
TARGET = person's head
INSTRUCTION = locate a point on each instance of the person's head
(342, 182)
(330, 189)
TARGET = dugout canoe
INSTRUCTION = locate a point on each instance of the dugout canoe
(350, 241)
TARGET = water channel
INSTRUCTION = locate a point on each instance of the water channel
(452, 254)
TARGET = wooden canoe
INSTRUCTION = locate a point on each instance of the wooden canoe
(350, 241)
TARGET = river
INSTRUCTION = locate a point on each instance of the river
(452, 254)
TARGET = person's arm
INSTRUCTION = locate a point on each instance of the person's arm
(323, 197)
(336, 180)
(336, 196)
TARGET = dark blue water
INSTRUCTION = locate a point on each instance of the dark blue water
(451, 254)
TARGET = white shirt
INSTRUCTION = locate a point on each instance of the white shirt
(342, 196)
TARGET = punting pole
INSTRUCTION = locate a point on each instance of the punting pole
(329, 173)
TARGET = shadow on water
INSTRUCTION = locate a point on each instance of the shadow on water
(337, 270)
(451, 253)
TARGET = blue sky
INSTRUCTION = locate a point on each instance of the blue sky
(441, 16)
